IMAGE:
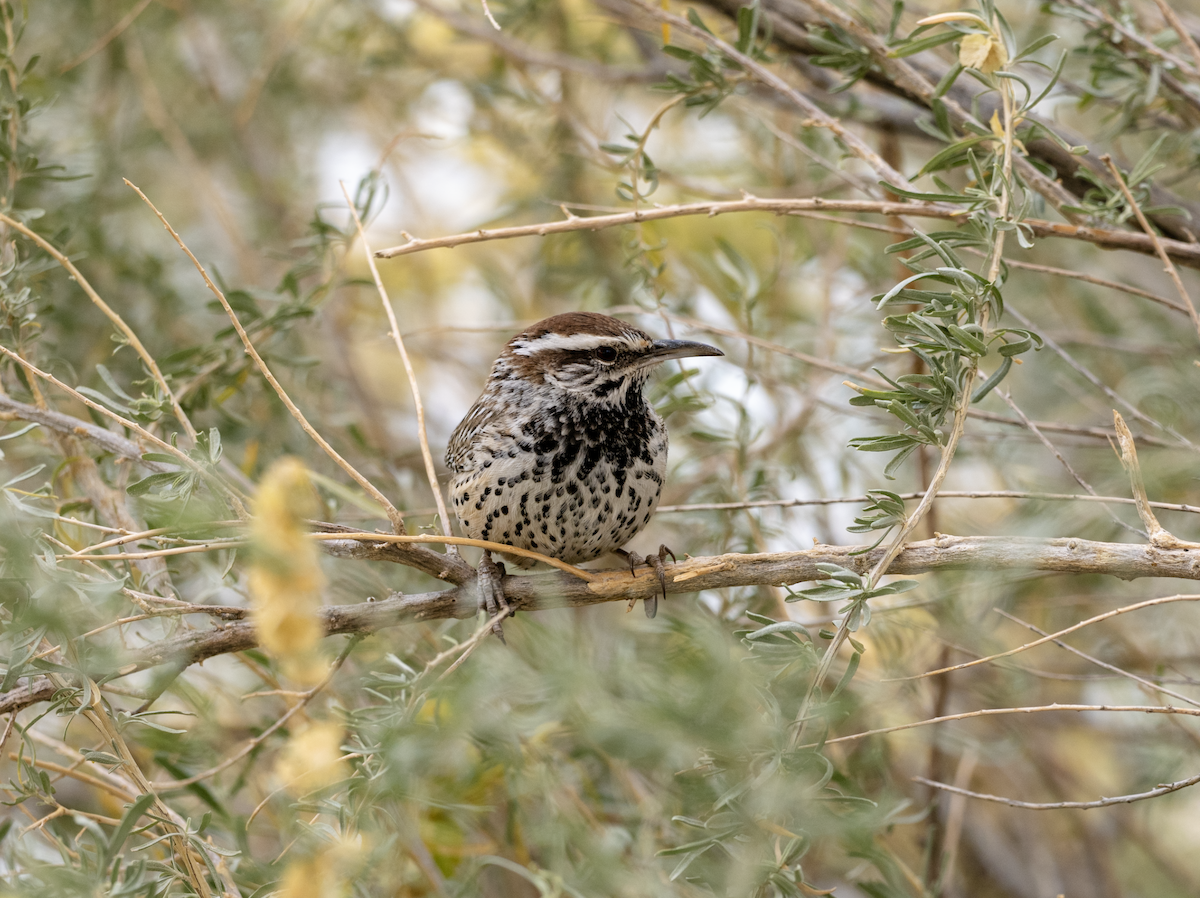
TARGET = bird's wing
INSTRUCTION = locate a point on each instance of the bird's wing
(459, 448)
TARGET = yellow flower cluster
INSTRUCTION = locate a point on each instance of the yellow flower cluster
(286, 579)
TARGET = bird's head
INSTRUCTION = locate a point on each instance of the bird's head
(595, 357)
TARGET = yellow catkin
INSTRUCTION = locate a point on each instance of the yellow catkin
(312, 877)
(327, 871)
(286, 580)
(312, 759)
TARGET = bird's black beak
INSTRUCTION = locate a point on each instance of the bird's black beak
(662, 350)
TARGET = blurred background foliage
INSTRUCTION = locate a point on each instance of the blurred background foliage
(598, 754)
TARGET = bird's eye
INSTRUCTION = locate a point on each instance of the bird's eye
(606, 354)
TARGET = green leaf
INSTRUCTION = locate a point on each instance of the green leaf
(899, 459)
(909, 48)
(927, 197)
(993, 380)
(947, 80)
(883, 443)
(1036, 45)
(823, 594)
(951, 156)
(1017, 348)
(145, 485)
(894, 588)
(160, 457)
(102, 757)
(851, 670)
(974, 345)
(671, 50)
(694, 18)
(747, 22)
(19, 433)
(780, 627)
(125, 827)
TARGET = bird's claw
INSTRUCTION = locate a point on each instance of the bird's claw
(656, 562)
(490, 575)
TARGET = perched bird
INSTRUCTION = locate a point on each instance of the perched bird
(561, 453)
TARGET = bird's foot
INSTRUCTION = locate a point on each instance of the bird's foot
(490, 575)
(657, 562)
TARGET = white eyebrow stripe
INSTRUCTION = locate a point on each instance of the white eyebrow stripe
(570, 342)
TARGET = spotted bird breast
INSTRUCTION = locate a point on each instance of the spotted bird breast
(570, 484)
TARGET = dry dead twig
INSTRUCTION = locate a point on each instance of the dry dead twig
(1160, 537)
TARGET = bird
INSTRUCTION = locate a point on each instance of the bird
(561, 453)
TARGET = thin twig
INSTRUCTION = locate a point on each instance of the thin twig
(1148, 684)
(1182, 30)
(393, 514)
(363, 536)
(535, 56)
(1168, 265)
(124, 22)
(1159, 536)
(211, 546)
(122, 792)
(147, 534)
(1095, 381)
(1164, 789)
(1002, 712)
(817, 116)
(944, 494)
(252, 744)
(1099, 282)
(70, 426)
(1106, 238)
(487, 11)
(1098, 433)
(747, 203)
(1033, 428)
(183, 457)
(586, 576)
(914, 83)
(111, 314)
(1147, 46)
(468, 647)
(422, 433)
(1124, 609)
